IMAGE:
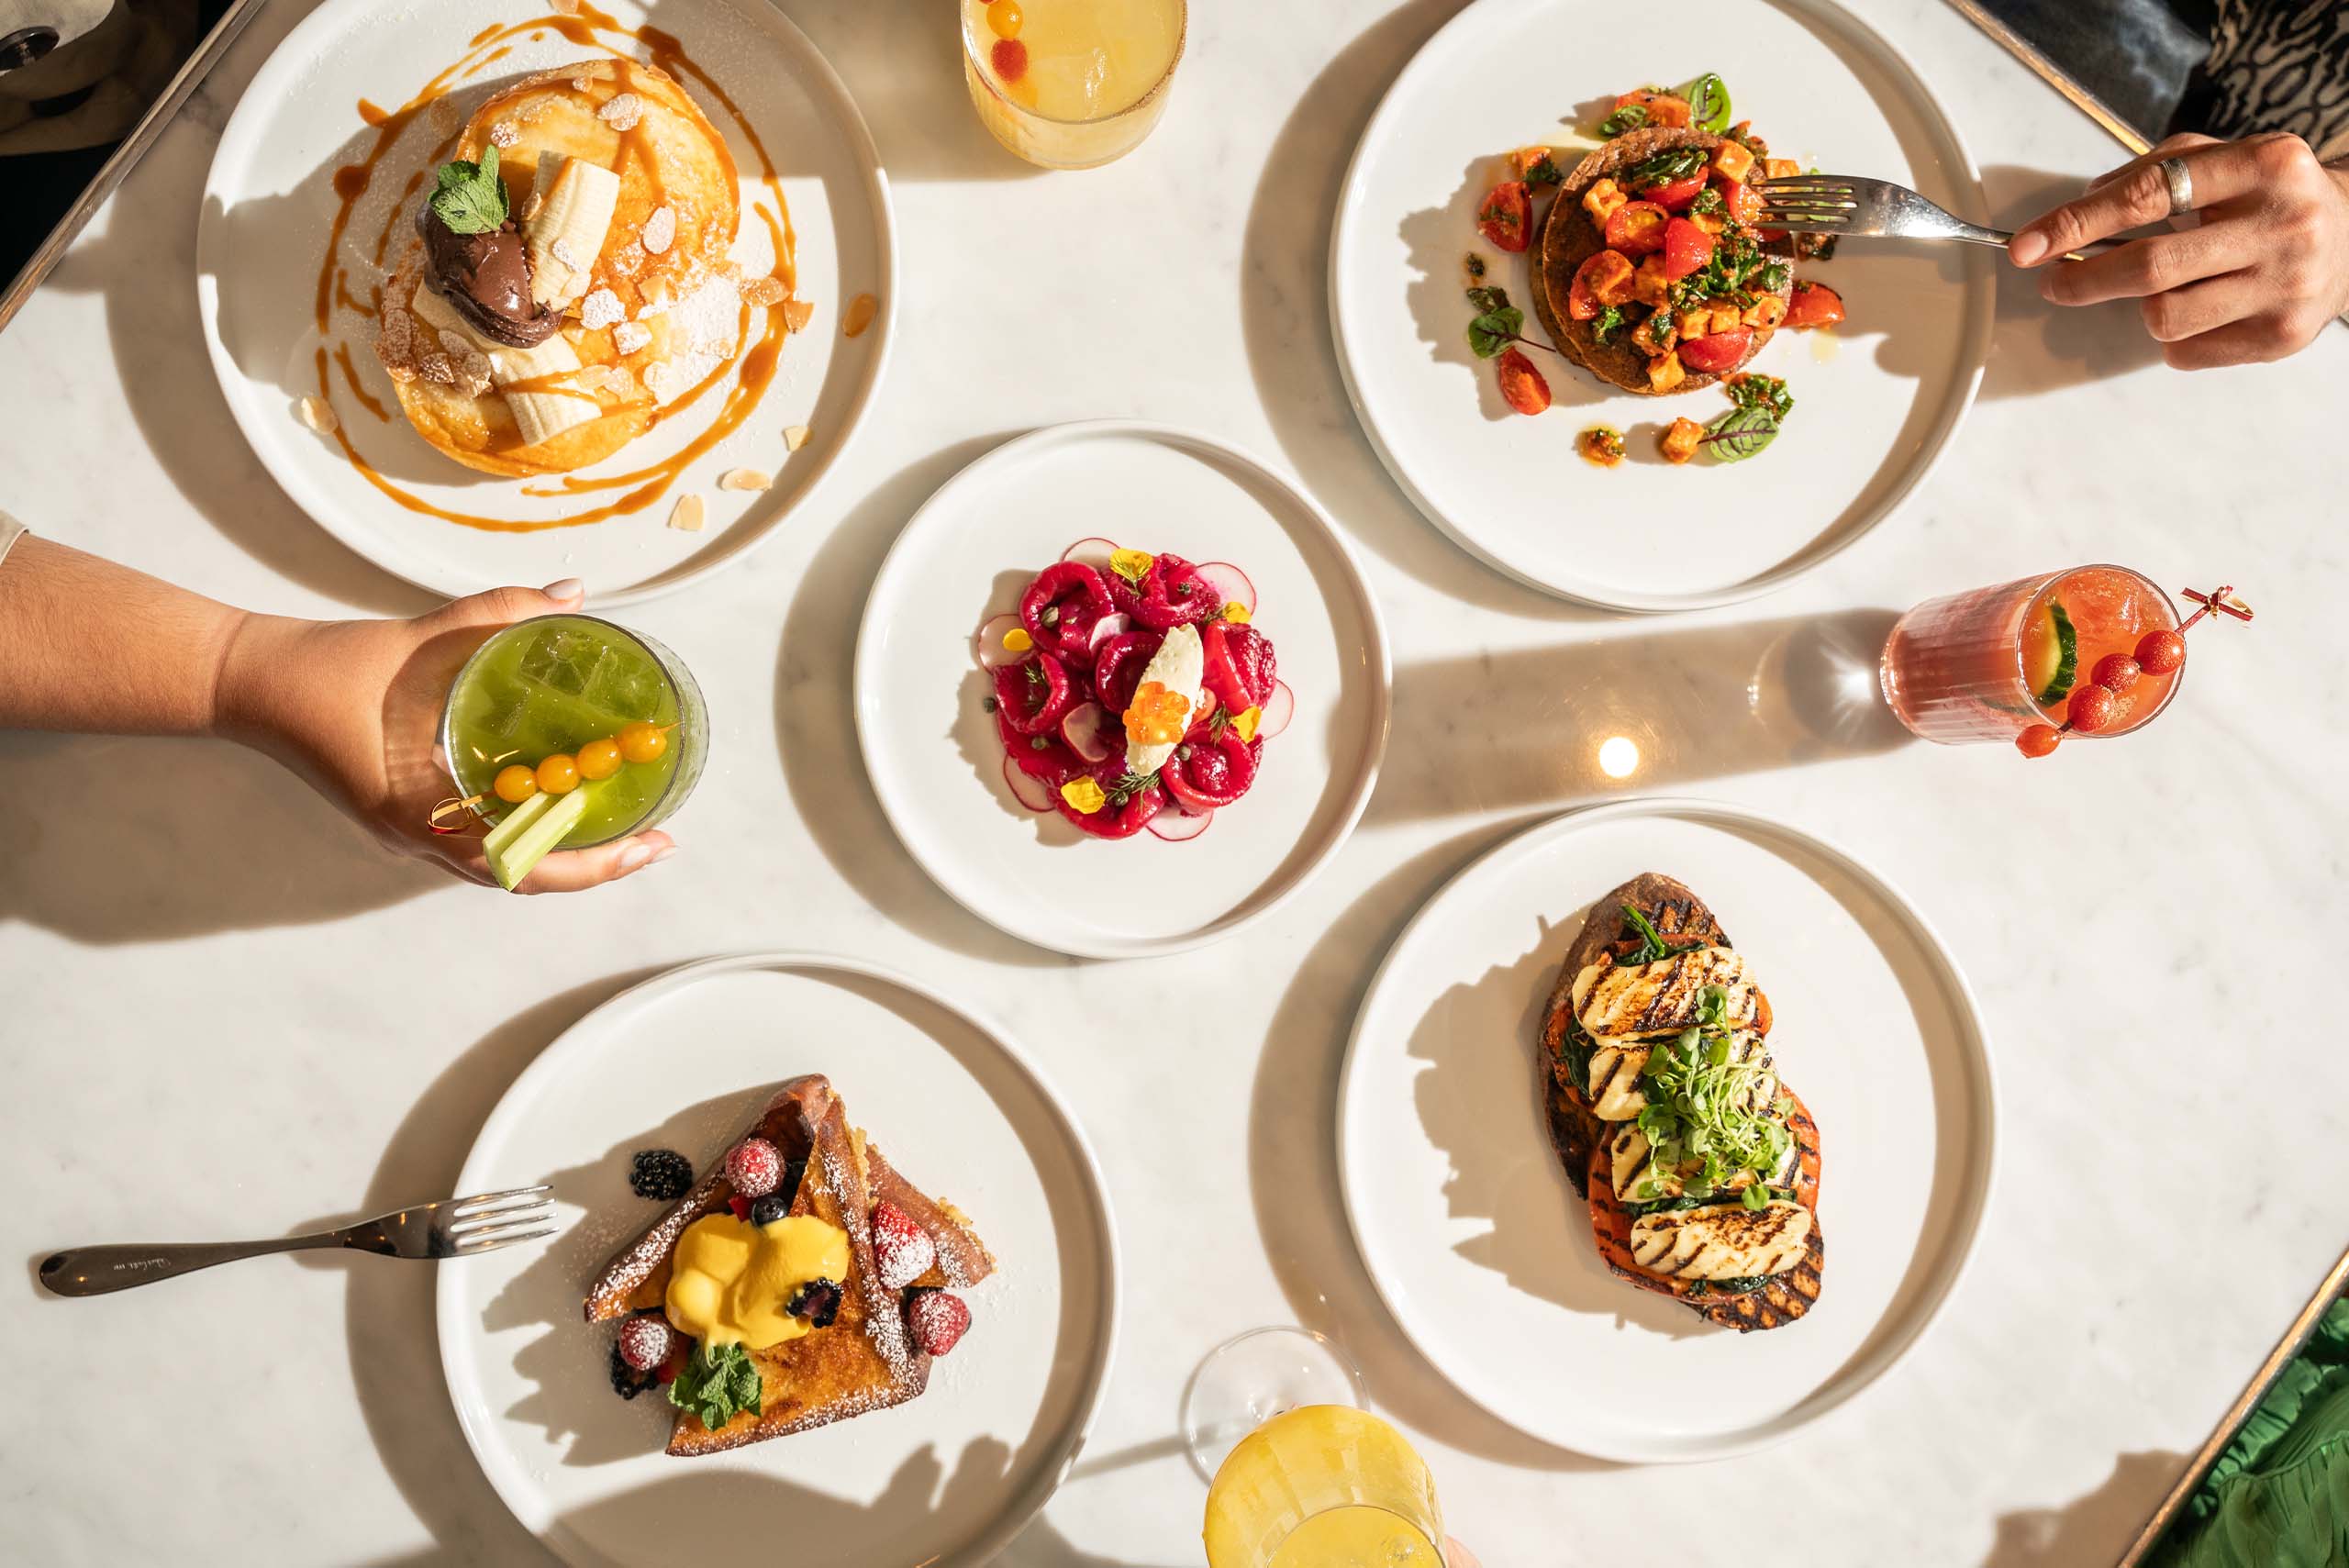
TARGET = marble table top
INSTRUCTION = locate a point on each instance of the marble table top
(221, 1003)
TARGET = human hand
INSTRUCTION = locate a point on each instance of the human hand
(2258, 278)
(354, 706)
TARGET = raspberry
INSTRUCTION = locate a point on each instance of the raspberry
(754, 1166)
(936, 1320)
(2116, 672)
(903, 1249)
(741, 1207)
(644, 1342)
(662, 1174)
(2090, 709)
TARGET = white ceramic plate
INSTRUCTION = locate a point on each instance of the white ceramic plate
(1483, 1250)
(932, 751)
(269, 206)
(1869, 421)
(682, 1062)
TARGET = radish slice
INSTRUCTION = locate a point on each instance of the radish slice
(1093, 552)
(1033, 793)
(1279, 708)
(1230, 585)
(1177, 826)
(988, 643)
(1107, 627)
(1089, 728)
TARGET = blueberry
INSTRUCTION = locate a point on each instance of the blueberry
(770, 1209)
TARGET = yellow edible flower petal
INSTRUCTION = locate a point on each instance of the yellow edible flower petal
(1132, 565)
(1244, 724)
(1236, 613)
(1083, 796)
(1018, 640)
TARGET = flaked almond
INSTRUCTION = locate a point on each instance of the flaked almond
(600, 309)
(563, 7)
(627, 336)
(504, 134)
(622, 111)
(687, 515)
(320, 417)
(660, 230)
(744, 479)
(859, 315)
(795, 437)
(797, 313)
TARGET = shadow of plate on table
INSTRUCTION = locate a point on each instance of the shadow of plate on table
(1588, 720)
(2094, 1528)
(1292, 1168)
(815, 717)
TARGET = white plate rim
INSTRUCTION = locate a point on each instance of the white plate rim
(269, 86)
(1983, 1157)
(900, 560)
(448, 1314)
(1985, 321)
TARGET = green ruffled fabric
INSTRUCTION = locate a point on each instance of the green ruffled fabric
(2278, 1495)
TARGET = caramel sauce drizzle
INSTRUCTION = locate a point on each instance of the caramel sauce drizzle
(754, 367)
(350, 377)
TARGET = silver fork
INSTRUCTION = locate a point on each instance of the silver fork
(457, 1227)
(1874, 209)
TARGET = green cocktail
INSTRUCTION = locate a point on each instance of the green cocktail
(561, 696)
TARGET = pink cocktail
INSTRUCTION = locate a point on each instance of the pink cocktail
(1988, 664)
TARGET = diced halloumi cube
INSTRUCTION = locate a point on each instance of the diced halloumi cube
(1649, 285)
(1733, 158)
(1666, 373)
(1768, 311)
(1602, 200)
(1780, 168)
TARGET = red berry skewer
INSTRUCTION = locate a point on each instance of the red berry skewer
(2092, 707)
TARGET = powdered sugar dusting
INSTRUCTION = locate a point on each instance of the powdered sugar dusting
(601, 308)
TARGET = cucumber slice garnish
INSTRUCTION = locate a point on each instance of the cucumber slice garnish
(523, 839)
(2052, 654)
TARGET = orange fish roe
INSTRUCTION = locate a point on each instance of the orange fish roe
(1157, 717)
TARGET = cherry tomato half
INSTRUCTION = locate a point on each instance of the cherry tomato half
(1603, 279)
(1716, 351)
(1687, 248)
(1522, 385)
(1505, 218)
(1744, 201)
(1637, 228)
(1675, 195)
(1814, 304)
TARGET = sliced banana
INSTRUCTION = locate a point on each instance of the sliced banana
(529, 379)
(570, 211)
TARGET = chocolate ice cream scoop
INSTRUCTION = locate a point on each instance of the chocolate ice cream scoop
(487, 277)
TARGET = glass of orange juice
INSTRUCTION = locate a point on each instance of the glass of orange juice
(1323, 1487)
(1071, 84)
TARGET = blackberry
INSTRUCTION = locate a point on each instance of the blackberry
(819, 1301)
(627, 1382)
(770, 1209)
(794, 1173)
(662, 1174)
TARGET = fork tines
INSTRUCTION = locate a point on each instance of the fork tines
(1810, 200)
(488, 1220)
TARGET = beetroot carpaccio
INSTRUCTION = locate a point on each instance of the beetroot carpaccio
(1133, 690)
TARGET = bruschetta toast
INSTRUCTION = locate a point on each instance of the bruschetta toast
(1700, 1167)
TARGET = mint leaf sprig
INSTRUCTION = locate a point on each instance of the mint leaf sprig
(471, 199)
(716, 1383)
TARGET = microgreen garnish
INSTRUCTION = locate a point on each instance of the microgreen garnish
(1498, 324)
(1608, 323)
(471, 198)
(1708, 97)
(716, 1383)
(1739, 434)
(1713, 1113)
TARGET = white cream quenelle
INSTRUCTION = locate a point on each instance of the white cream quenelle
(1180, 666)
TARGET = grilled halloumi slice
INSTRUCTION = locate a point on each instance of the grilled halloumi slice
(1627, 1001)
(1724, 1241)
(1616, 1066)
(1638, 1179)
